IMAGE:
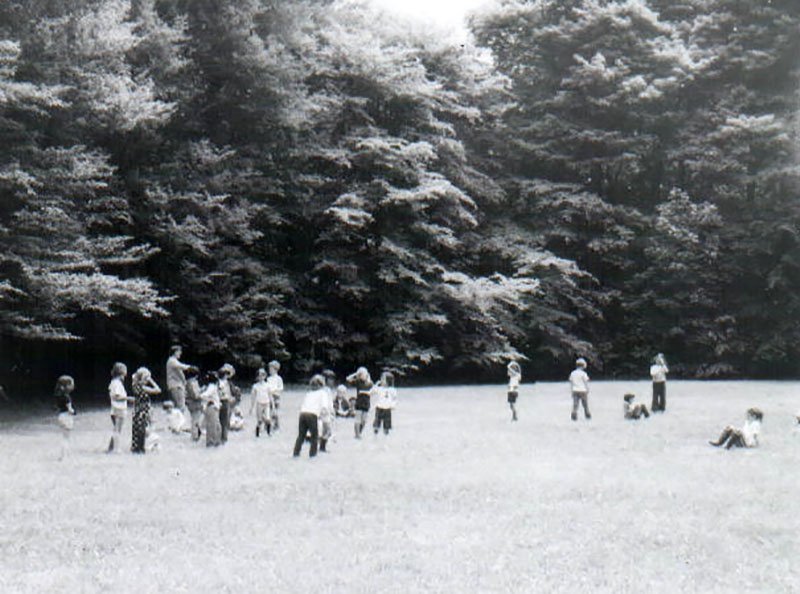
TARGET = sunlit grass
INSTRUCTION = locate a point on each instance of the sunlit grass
(457, 499)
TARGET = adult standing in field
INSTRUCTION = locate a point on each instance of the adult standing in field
(579, 384)
(63, 395)
(309, 415)
(658, 371)
(119, 404)
(363, 383)
(176, 380)
(143, 386)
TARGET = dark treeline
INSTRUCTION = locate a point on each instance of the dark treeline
(317, 183)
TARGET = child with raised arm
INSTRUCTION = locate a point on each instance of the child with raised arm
(579, 384)
(63, 396)
(746, 437)
(363, 382)
(143, 386)
(514, 380)
(119, 404)
(275, 384)
(386, 400)
(631, 410)
(261, 400)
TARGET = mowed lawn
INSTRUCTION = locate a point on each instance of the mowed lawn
(456, 499)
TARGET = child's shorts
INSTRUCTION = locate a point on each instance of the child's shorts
(65, 421)
(512, 397)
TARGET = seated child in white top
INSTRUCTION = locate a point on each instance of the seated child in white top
(237, 418)
(633, 411)
(175, 418)
(746, 437)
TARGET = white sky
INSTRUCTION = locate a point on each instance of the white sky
(447, 13)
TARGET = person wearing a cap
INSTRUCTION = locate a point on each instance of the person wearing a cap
(658, 371)
(176, 380)
(579, 383)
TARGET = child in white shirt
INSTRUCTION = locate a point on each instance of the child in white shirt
(309, 415)
(210, 396)
(579, 384)
(261, 400)
(385, 401)
(514, 379)
(326, 414)
(633, 411)
(275, 383)
(746, 437)
(175, 418)
(119, 404)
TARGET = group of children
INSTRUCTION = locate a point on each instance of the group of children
(579, 387)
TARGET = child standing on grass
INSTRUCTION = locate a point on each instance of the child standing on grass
(746, 437)
(386, 401)
(658, 371)
(309, 415)
(327, 413)
(63, 395)
(210, 396)
(143, 386)
(363, 382)
(119, 404)
(579, 383)
(194, 402)
(514, 379)
(261, 400)
(225, 373)
(631, 410)
(275, 383)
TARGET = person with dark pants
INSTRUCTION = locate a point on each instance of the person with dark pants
(658, 371)
(363, 383)
(226, 372)
(309, 415)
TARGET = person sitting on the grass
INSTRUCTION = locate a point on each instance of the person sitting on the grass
(237, 418)
(633, 411)
(746, 437)
(341, 405)
(175, 418)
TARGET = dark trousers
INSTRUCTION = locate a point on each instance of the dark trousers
(659, 396)
(383, 415)
(224, 419)
(306, 425)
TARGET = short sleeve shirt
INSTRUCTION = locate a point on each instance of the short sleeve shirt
(118, 395)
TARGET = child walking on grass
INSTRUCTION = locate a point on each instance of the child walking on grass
(633, 411)
(309, 415)
(63, 395)
(514, 379)
(386, 400)
(119, 404)
(275, 384)
(261, 400)
(746, 437)
(579, 383)
(363, 382)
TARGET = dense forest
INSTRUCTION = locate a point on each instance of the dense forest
(320, 183)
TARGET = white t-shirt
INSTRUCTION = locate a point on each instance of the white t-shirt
(513, 382)
(386, 397)
(118, 395)
(313, 400)
(658, 372)
(275, 384)
(211, 395)
(260, 392)
(750, 433)
(579, 380)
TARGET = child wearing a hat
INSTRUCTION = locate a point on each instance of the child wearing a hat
(633, 411)
(514, 379)
(746, 437)
(579, 384)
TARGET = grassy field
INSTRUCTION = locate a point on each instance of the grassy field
(457, 499)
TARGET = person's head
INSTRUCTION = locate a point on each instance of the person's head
(341, 390)
(168, 405)
(119, 370)
(387, 379)
(330, 377)
(192, 372)
(65, 384)
(755, 414)
(226, 371)
(317, 381)
(581, 362)
(141, 376)
(176, 350)
(261, 374)
(659, 359)
(629, 397)
(513, 368)
(210, 377)
(273, 367)
(362, 373)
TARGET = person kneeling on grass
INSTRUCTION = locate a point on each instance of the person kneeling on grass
(309, 415)
(633, 411)
(746, 437)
